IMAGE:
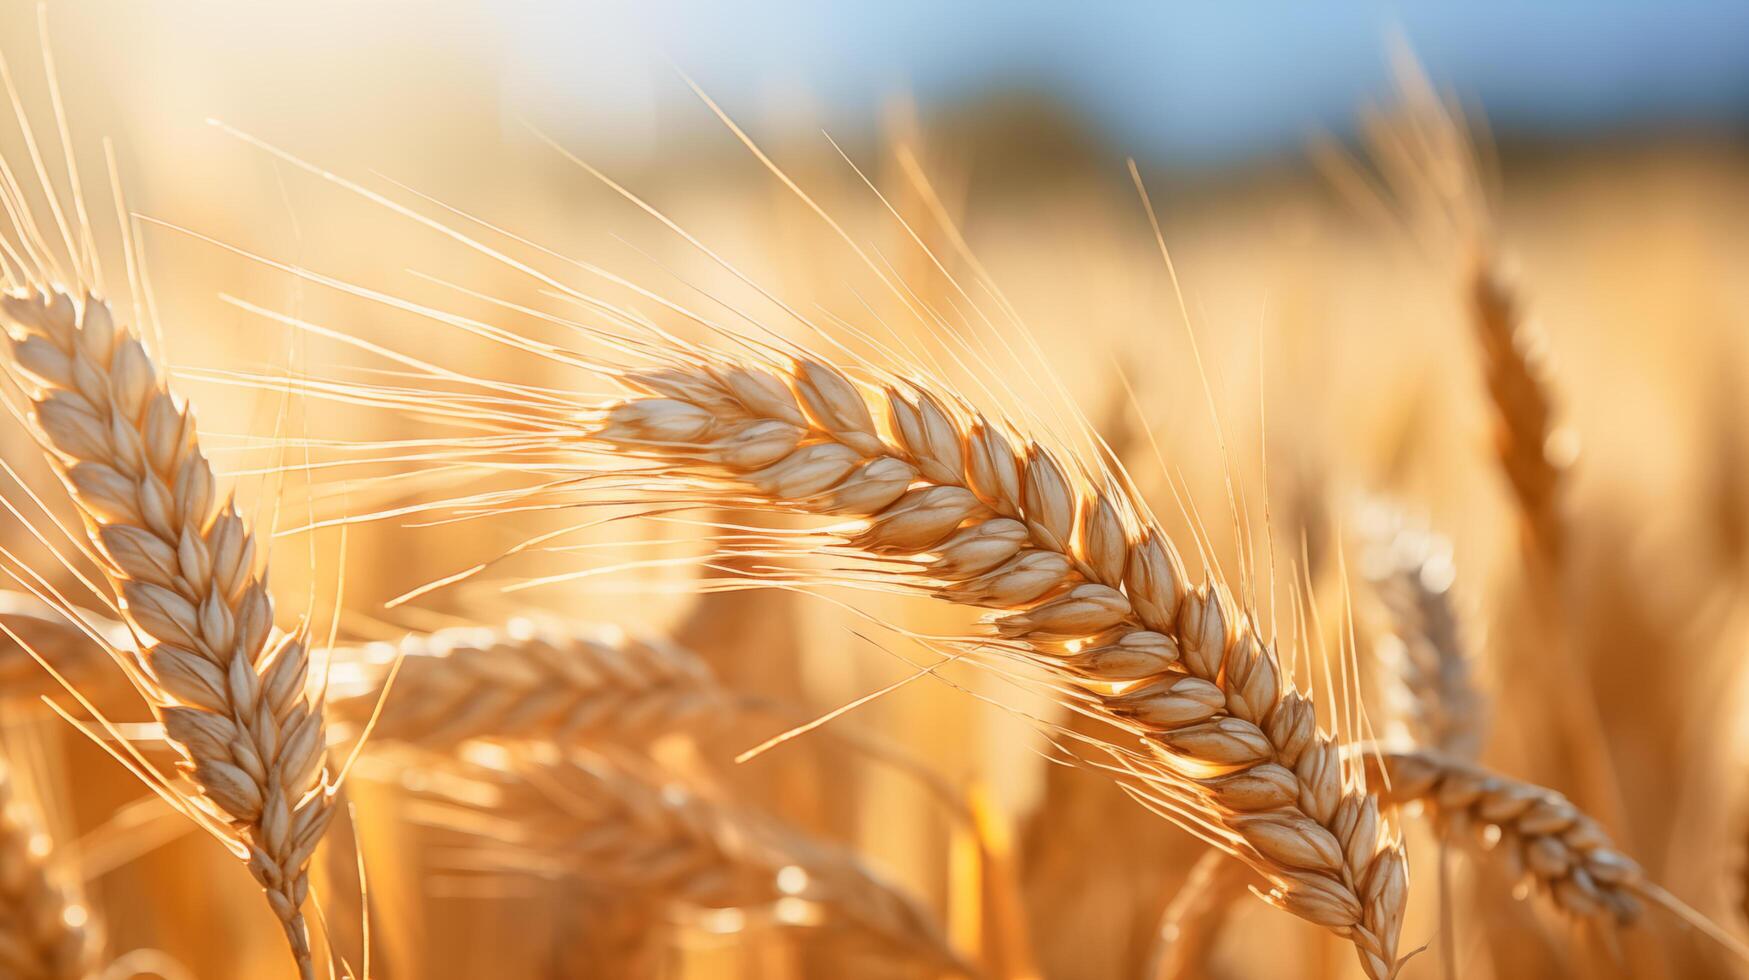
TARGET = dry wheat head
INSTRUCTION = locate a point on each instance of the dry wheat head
(1540, 834)
(230, 692)
(1411, 572)
(527, 680)
(613, 819)
(1082, 585)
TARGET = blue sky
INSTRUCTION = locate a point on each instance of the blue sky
(1195, 81)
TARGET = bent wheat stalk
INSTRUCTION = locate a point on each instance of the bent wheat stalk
(1192, 922)
(1542, 835)
(527, 680)
(613, 819)
(230, 693)
(43, 934)
(959, 505)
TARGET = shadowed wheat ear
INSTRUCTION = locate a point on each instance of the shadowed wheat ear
(528, 680)
(956, 504)
(43, 933)
(1541, 835)
(30, 626)
(613, 819)
(1411, 572)
(230, 693)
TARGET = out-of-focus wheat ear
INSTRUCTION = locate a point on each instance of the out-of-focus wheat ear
(1524, 411)
(612, 819)
(1538, 833)
(1422, 646)
(1192, 924)
(230, 691)
(45, 930)
(31, 628)
(1080, 584)
(1435, 172)
(527, 680)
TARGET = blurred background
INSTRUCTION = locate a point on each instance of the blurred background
(1614, 142)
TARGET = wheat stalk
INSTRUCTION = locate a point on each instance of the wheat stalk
(974, 513)
(229, 692)
(612, 819)
(43, 934)
(1541, 834)
(527, 680)
(1192, 922)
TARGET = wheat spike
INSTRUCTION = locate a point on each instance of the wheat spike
(1542, 835)
(1082, 585)
(43, 933)
(1411, 572)
(48, 634)
(229, 692)
(612, 819)
(528, 680)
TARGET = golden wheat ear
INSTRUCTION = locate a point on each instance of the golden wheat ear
(527, 680)
(613, 819)
(1542, 836)
(228, 688)
(1081, 586)
(1422, 647)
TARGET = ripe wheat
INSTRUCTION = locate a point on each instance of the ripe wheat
(1411, 573)
(612, 819)
(525, 681)
(1083, 587)
(229, 692)
(1541, 834)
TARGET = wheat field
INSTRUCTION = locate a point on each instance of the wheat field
(438, 542)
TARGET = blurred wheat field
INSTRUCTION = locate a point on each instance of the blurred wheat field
(1335, 372)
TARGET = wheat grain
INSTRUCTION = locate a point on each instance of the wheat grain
(1083, 586)
(1538, 832)
(43, 926)
(528, 680)
(229, 692)
(612, 819)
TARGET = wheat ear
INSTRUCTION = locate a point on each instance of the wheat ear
(1411, 572)
(229, 692)
(1523, 409)
(611, 818)
(527, 680)
(29, 626)
(43, 934)
(964, 508)
(1541, 834)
